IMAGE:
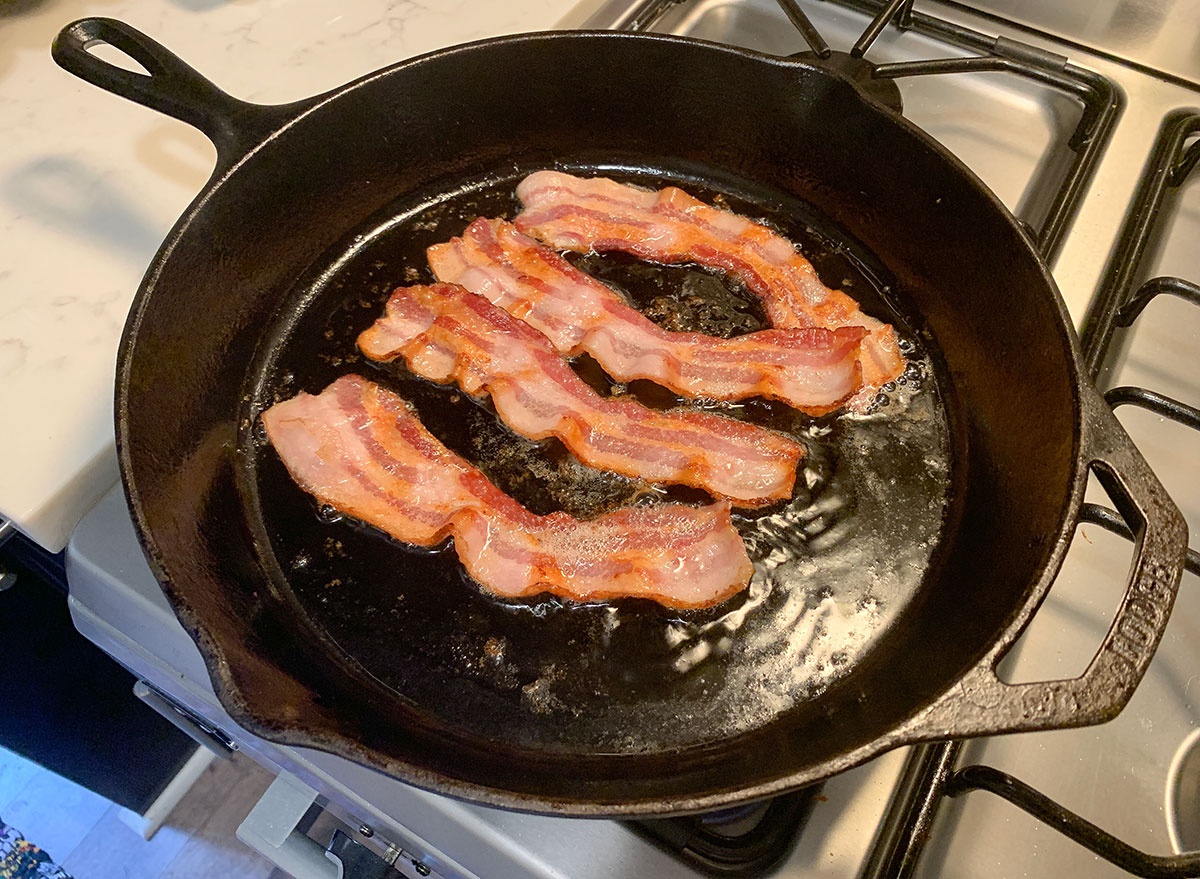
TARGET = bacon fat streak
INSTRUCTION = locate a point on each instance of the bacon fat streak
(448, 334)
(363, 450)
(814, 369)
(669, 226)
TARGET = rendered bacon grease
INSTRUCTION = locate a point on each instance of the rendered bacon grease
(670, 226)
(814, 369)
(446, 333)
(363, 450)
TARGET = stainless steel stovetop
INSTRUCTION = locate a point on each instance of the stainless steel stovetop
(1015, 133)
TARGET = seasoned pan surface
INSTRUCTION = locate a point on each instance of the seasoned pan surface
(833, 567)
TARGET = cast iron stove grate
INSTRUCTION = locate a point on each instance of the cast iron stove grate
(1100, 100)
(728, 844)
(931, 773)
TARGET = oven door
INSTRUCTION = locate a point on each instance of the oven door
(323, 817)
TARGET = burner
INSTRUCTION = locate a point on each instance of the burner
(741, 841)
(881, 90)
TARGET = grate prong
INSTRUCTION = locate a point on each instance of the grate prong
(1186, 163)
(878, 23)
(811, 35)
(1132, 310)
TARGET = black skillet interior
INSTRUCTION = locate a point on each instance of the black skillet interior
(834, 566)
(401, 664)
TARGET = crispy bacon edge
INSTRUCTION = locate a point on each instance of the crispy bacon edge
(448, 334)
(813, 369)
(668, 226)
(363, 450)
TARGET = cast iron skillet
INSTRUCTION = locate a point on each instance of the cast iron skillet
(939, 547)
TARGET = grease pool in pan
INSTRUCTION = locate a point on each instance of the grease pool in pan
(833, 567)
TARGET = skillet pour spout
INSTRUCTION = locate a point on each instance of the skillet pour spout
(264, 261)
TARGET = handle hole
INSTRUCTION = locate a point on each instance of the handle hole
(1063, 636)
(110, 54)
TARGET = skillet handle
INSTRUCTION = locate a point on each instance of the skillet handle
(171, 86)
(982, 704)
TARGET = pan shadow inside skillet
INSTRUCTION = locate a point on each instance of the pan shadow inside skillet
(833, 567)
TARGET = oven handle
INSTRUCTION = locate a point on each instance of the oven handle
(185, 720)
(270, 829)
(982, 704)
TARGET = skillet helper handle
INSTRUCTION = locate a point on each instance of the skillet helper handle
(982, 704)
(170, 85)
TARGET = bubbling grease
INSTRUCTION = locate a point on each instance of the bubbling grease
(833, 567)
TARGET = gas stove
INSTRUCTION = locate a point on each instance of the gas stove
(1090, 138)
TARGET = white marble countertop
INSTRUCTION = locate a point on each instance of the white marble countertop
(91, 183)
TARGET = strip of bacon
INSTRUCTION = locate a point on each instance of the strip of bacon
(813, 369)
(670, 226)
(448, 334)
(363, 450)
